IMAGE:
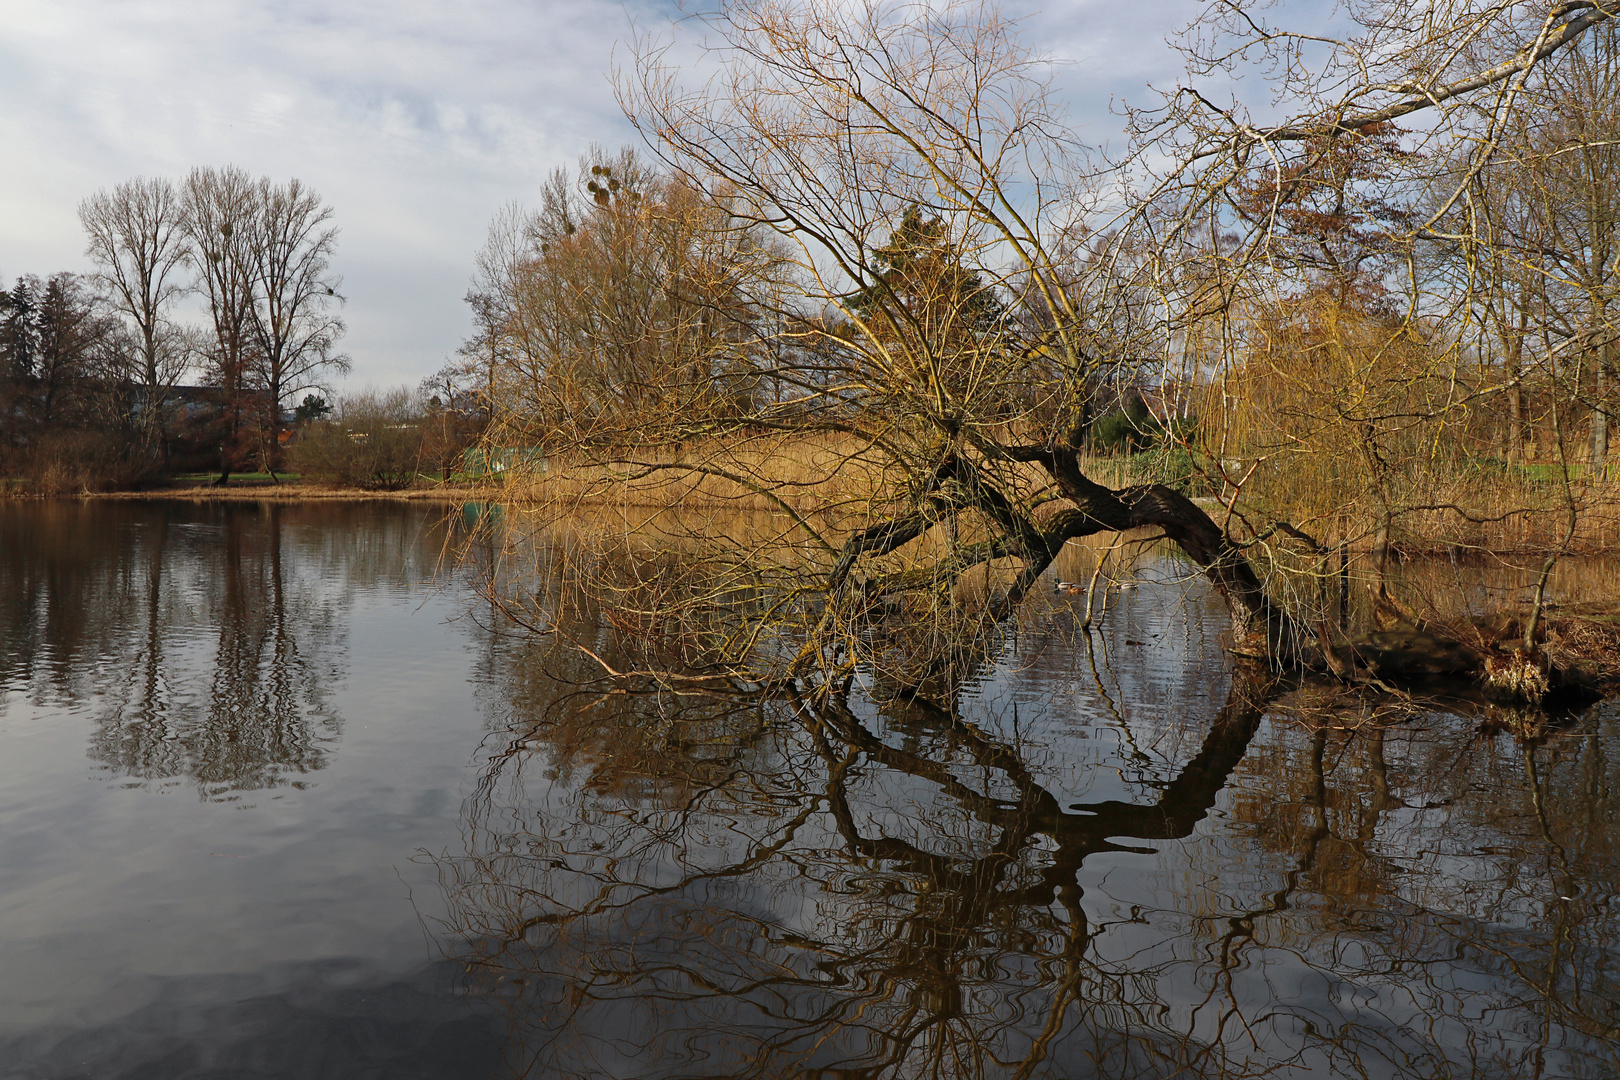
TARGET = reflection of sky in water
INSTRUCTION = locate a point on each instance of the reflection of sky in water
(170, 845)
(665, 887)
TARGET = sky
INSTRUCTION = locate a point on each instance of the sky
(416, 121)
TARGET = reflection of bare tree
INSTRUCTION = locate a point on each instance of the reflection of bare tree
(1428, 867)
(842, 895)
(262, 720)
(216, 631)
(824, 887)
(267, 717)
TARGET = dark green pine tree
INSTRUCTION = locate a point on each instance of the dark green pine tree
(920, 270)
(19, 328)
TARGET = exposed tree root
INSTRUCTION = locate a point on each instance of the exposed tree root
(1576, 655)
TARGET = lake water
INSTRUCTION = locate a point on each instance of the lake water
(280, 796)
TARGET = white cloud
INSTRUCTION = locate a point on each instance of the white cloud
(415, 120)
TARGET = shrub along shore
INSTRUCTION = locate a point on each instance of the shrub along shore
(247, 487)
(283, 490)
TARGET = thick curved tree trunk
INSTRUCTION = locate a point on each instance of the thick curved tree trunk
(1581, 661)
(1260, 627)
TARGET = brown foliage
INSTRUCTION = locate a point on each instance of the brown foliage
(374, 444)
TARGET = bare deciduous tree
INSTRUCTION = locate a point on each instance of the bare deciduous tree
(1566, 164)
(138, 241)
(834, 123)
(914, 164)
(219, 215)
(293, 325)
(262, 256)
(627, 298)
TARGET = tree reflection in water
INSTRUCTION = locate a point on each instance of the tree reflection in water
(205, 640)
(666, 885)
(264, 720)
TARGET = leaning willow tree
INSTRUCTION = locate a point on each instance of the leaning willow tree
(877, 228)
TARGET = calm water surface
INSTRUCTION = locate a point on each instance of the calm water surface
(280, 798)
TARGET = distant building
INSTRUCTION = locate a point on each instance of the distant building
(497, 461)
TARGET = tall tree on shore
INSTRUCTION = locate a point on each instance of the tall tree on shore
(60, 350)
(138, 240)
(1569, 168)
(19, 329)
(628, 293)
(77, 346)
(221, 224)
(825, 122)
(294, 329)
(262, 254)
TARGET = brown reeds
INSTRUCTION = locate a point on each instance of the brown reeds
(760, 472)
(766, 471)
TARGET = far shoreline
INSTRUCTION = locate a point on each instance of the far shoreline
(265, 491)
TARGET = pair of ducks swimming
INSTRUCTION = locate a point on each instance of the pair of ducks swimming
(1069, 588)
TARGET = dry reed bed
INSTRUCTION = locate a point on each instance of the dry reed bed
(1430, 508)
(763, 473)
(1514, 519)
(1437, 513)
(814, 475)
